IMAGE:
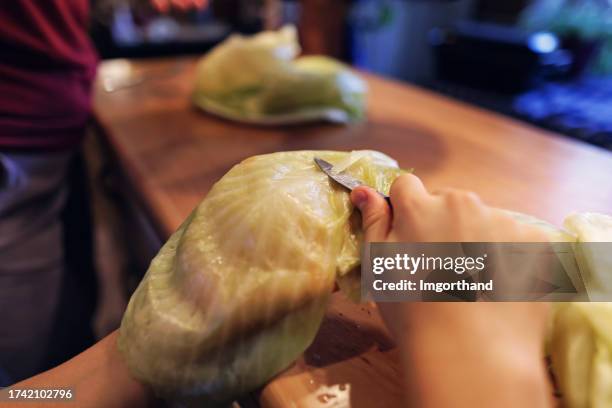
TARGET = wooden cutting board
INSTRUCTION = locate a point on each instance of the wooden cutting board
(352, 341)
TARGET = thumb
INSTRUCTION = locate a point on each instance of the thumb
(375, 213)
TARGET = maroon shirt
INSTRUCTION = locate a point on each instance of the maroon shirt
(47, 64)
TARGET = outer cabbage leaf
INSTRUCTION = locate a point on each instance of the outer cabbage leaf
(239, 64)
(556, 236)
(239, 290)
(581, 340)
(594, 260)
(258, 77)
(314, 82)
(581, 354)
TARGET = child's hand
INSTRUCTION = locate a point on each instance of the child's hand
(445, 216)
(459, 354)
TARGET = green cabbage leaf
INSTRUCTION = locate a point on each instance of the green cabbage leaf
(581, 338)
(262, 79)
(239, 290)
(579, 341)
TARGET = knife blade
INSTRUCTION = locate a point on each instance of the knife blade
(345, 180)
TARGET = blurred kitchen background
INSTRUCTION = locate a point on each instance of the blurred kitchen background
(547, 62)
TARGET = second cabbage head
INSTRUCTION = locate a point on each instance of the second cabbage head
(262, 76)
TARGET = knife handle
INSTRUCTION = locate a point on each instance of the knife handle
(388, 200)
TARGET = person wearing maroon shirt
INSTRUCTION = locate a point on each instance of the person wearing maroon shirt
(47, 65)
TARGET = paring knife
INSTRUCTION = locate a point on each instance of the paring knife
(345, 180)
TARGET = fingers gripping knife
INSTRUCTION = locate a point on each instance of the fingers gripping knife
(345, 180)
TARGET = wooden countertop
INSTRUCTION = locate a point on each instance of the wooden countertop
(172, 154)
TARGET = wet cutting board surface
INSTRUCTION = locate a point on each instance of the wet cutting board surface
(171, 154)
(352, 362)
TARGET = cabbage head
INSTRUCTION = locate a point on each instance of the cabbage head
(581, 338)
(581, 353)
(593, 257)
(261, 77)
(239, 290)
(579, 342)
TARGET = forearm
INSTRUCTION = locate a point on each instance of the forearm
(98, 377)
(447, 365)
